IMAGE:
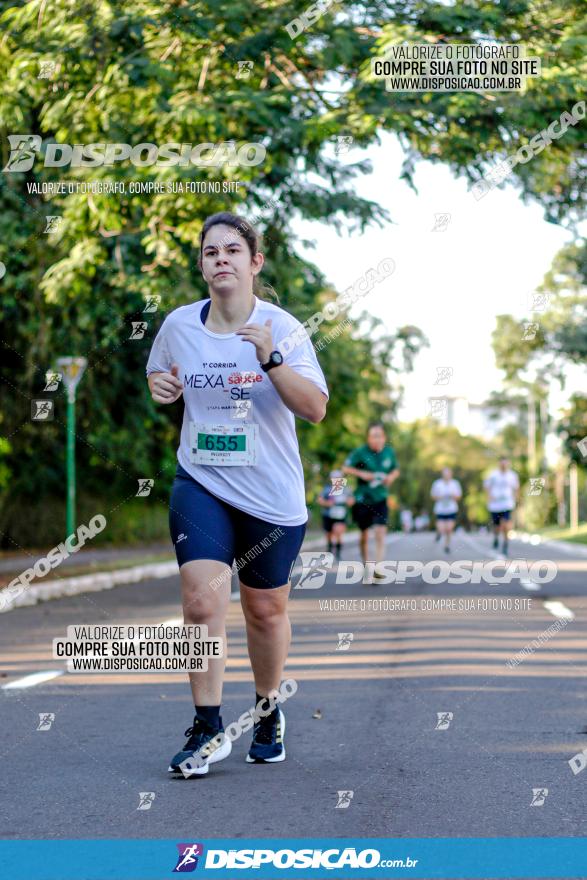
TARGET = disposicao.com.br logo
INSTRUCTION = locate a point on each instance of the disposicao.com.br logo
(24, 149)
(332, 859)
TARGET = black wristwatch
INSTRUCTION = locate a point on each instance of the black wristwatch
(275, 359)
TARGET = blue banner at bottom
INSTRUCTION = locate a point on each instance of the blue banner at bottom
(274, 859)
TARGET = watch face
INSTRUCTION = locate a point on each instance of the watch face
(276, 357)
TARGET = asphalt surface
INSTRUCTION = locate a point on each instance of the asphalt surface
(379, 735)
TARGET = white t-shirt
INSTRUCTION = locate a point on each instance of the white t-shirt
(212, 367)
(502, 487)
(443, 490)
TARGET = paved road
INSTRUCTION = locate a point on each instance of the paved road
(509, 731)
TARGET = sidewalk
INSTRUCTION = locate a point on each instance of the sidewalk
(95, 570)
(11, 564)
(95, 560)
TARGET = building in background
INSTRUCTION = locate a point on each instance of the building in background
(476, 419)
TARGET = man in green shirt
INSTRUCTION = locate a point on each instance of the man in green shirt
(375, 467)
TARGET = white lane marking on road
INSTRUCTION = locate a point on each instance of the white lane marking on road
(529, 585)
(572, 550)
(483, 552)
(526, 583)
(32, 680)
(390, 539)
(559, 609)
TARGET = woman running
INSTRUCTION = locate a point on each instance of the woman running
(446, 493)
(238, 492)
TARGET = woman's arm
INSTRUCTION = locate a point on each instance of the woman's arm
(300, 395)
(165, 387)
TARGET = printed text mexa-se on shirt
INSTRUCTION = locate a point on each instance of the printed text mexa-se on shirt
(223, 382)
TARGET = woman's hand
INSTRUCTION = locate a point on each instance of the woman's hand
(260, 336)
(166, 387)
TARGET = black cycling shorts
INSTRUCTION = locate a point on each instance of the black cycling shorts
(203, 526)
(367, 515)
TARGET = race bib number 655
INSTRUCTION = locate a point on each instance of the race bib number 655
(223, 444)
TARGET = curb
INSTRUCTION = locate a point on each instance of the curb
(93, 583)
(564, 546)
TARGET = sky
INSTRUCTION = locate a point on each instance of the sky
(452, 284)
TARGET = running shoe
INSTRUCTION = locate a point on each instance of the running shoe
(447, 549)
(437, 538)
(267, 746)
(495, 543)
(201, 749)
(377, 573)
(504, 549)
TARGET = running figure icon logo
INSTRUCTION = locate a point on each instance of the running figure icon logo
(344, 800)
(444, 719)
(536, 485)
(46, 719)
(53, 223)
(52, 380)
(138, 329)
(343, 144)
(338, 484)
(314, 570)
(42, 410)
(23, 149)
(438, 407)
(241, 409)
(47, 69)
(245, 68)
(539, 302)
(152, 302)
(146, 799)
(443, 375)
(441, 222)
(539, 795)
(344, 641)
(187, 860)
(530, 331)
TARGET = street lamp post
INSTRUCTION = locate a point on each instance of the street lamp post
(574, 496)
(531, 435)
(72, 369)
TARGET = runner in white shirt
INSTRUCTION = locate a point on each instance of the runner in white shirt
(446, 493)
(238, 492)
(503, 488)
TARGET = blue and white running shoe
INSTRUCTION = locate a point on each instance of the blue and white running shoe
(267, 746)
(206, 745)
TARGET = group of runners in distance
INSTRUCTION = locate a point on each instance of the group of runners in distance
(239, 480)
(375, 467)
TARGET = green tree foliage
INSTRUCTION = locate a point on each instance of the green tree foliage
(573, 428)
(169, 72)
(546, 342)
(423, 448)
